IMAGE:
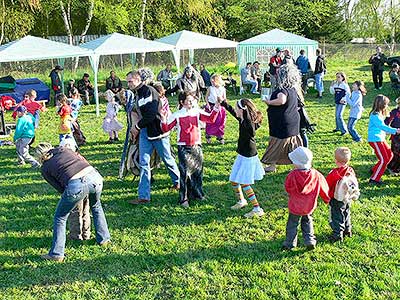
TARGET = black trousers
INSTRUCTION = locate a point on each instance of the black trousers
(377, 77)
(340, 217)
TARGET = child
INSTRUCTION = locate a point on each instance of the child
(340, 89)
(376, 138)
(394, 121)
(187, 120)
(76, 104)
(303, 185)
(64, 111)
(247, 167)
(24, 133)
(79, 218)
(111, 125)
(31, 105)
(339, 209)
(216, 93)
(164, 103)
(356, 108)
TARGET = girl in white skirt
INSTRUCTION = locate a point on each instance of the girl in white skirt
(247, 167)
(111, 125)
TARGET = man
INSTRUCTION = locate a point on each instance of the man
(113, 83)
(378, 62)
(303, 64)
(85, 88)
(274, 63)
(205, 75)
(151, 137)
(255, 74)
(164, 76)
(56, 82)
(245, 77)
(319, 72)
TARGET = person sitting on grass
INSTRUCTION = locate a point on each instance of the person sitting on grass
(24, 133)
(339, 206)
(247, 167)
(85, 88)
(187, 119)
(377, 138)
(303, 185)
(72, 176)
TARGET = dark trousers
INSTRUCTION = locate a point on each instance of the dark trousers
(191, 172)
(307, 228)
(340, 217)
(377, 77)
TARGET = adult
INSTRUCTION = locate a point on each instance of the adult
(394, 76)
(255, 74)
(56, 81)
(287, 57)
(148, 130)
(191, 82)
(85, 88)
(71, 175)
(274, 63)
(283, 118)
(245, 77)
(303, 64)
(319, 73)
(164, 76)
(114, 84)
(377, 62)
(205, 75)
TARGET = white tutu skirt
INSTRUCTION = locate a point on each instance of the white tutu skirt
(246, 170)
(111, 124)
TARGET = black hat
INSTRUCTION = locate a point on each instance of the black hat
(86, 75)
(58, 67)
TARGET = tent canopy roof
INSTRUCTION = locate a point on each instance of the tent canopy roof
(277, 37)
(184, 40)
(117, 43)
(36, 48)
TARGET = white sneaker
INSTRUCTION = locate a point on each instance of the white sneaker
(255, 213)
(270, 169)
(239, 205)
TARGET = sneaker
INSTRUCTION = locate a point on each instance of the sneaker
(286, 248)
(116, 139)
(239, 205)
(393, 173)
(335, 130)
(343, 133)
(255, 93)
(377, 183)
(348, 234)
(208, 140)
(53, 258)
(255, 213)
(310, 247)
(110, 141)
(21, 163)
(270, 168)
(334, 238)
(139, 201)
(222, 141)
(105, 243)
(185, 204)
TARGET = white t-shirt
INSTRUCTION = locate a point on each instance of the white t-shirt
(215, 93)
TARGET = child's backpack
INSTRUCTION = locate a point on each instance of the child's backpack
(347, 189)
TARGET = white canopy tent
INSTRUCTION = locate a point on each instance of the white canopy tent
(35, 48)
(188, 40)
(117, 43)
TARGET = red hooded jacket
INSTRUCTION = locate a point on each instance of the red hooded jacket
(335, 175)
(303, 187)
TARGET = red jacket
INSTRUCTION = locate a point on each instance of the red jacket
(334, 176)
(31, 106)
(303, 187)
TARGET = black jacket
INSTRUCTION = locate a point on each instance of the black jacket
(320, 65)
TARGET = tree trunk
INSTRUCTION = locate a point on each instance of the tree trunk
(141, 29)
(66, 15)
(3, 20)
(85, 30)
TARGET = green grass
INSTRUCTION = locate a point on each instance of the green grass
(207, 251)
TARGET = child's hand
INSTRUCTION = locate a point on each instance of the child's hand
(217, 106)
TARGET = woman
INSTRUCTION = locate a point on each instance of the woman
(71, 175)
(283, 118)
(190, 82)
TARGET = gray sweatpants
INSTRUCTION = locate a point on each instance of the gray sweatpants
(340, 220)
(307, 228)
(23, 155)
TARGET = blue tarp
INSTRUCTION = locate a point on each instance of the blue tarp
(43, 91)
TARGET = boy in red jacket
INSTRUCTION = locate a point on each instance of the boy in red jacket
(304, 184)
(339, 211)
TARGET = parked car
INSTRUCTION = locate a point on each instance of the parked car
(393, 59)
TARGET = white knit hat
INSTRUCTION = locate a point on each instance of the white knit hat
(302, 157)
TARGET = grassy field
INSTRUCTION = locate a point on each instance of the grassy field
(162, 251)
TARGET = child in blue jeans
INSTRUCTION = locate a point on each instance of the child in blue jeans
(355, 100)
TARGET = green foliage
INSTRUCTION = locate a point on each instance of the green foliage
(162, 251)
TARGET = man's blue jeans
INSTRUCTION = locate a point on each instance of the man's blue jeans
(253, 85)
(163, 148)
(339, 118)
(77, 190)
(351, 126)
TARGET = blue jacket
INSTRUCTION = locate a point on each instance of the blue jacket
(377, 129)
(355, 102)
(25, 127)
(303, 64)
